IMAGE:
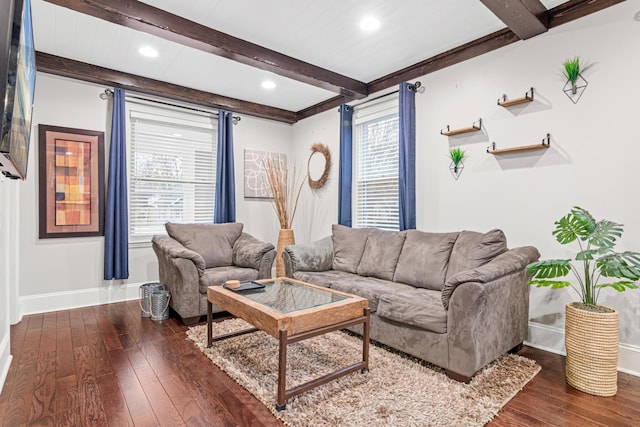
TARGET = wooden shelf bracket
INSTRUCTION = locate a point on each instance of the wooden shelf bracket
(504, 102)
(473, 128)
(546, 143)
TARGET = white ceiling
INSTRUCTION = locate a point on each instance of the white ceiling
(324, 33)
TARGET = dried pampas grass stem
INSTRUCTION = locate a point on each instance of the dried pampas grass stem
(285, 196)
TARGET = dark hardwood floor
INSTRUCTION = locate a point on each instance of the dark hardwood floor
(106, 365)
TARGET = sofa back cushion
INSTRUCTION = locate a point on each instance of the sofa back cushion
(381, 252)
(213, 241)
(348, 246)
(424, 259)
(473, 250)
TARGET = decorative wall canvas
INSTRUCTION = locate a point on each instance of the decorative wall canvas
(256, 184)
(71, 182)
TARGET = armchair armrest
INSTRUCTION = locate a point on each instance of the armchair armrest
(254, 253)
(171, 248)
(179, 270)
(314, 256)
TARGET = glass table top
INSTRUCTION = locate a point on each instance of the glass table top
(286, 296)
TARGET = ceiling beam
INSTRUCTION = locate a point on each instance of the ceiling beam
(321, 107)
(456, 55)
(143, 17)
(65, 67)
(566, 12)
(575, 9)
(521, 16)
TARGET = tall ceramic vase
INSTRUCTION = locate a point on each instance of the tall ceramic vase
(285, 237)
(592, 342)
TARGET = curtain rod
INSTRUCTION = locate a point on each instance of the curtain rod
(108, 92)
(416, 87)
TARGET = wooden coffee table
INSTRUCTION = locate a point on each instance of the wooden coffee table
(291, 311)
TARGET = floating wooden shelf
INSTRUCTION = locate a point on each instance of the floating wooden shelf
(504, 102)
(546, 142)
(472, 128)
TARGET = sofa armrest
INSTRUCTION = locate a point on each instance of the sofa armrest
(171, 248)
(314, 256)
(489, 316)
(506, 263)
(251, 252)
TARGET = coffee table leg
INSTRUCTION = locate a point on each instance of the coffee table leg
(365, 340)
(282, 371)
(209, 323)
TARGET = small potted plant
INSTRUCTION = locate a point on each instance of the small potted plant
(456, 154)
(571, 71)
(591, 330)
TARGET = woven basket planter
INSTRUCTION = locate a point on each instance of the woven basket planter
(285, 237)
(592, 342)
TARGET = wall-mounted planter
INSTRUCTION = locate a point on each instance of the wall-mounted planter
(456, 170)
(574, 90)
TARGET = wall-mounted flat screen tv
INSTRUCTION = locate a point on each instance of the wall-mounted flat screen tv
(17, 85)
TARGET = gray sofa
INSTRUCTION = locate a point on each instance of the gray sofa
(458, 300)
(195, 256)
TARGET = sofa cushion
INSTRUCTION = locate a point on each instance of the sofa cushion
(322, 278)
(369, 288)
(424, 259)
(213, 241)
(417, 307)
(381, 252)
(348, 246)
(218, 275)
(473, 250)
(315, 256)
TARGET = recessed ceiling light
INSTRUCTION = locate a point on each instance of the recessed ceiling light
(177, 134)
(148, 51)
(369, 24)
(268, 84)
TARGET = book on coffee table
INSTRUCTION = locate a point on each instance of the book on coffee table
(246, 286)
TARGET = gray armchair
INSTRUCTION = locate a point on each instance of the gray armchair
(195, 256)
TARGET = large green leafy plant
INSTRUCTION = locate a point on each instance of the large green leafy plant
(596, 258)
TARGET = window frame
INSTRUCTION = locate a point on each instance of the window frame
(376, 111)
(184, 116)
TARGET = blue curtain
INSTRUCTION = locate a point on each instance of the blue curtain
(225, 203)
(407, 118)
(116, 218)
(346, 156)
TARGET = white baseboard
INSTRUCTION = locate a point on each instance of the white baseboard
(5, 359)
(56, 301)
(551, 339)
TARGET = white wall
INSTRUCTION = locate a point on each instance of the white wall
(592, 161)
(8, 258)
(64, 273)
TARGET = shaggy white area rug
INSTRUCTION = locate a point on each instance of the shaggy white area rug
(397, 391)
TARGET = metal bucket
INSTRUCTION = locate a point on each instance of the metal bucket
(160, 305)
(144, 293)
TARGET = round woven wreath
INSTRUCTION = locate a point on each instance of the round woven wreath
(316, 184)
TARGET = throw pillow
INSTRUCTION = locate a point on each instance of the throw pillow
(381, 252)
(348, 246)
(424, 259)
(213, 241)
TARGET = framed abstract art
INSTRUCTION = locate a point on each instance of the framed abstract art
(71, 182)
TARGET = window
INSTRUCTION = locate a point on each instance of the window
(376, 157)
(171, 167)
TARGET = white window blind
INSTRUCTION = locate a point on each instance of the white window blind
(376, 159)
(172, 168)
